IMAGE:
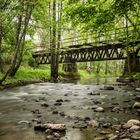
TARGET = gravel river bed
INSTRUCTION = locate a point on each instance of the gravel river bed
(93, 109)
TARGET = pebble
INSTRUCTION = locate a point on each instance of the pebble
(106, 125)
(108, 88)
(58, 104)
(136, 105)
(50, 137)
(116, 127)
(104, 132)
(80, 125)
(137, 89)
(137, 98)
(99, 109)
(55, 112)
(44, 105)
(114, 137)
(59, 100)
(93, 124)
(62, 114)
(48, 131)
(94, 93)
(100, 138)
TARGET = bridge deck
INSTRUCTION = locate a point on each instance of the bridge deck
(89, 52)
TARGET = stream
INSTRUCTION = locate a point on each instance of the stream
(22, 107)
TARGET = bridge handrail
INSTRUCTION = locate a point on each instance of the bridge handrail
(98, 37)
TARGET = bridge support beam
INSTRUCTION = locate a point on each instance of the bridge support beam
(131, 65)
(70, 67)
(71, 70)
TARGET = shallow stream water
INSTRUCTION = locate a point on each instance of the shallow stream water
(21, 107)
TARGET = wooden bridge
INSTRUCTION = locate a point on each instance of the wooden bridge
(111, 46)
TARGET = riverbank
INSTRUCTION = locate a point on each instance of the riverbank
(26, 75)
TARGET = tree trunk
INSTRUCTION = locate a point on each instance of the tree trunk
(22, 43)
(12, 68)
(1, 62)
(106, 68)
(54, 66)
(98, 67)
(59, 36)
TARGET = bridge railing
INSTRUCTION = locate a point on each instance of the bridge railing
(95, 39)
(100, 38)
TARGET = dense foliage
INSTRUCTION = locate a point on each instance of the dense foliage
(101, 14)
(30, 25)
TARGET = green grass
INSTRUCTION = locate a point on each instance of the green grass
(28, 74)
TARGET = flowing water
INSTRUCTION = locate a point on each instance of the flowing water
(21, 107)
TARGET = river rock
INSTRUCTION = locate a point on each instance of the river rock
(50, 137)
(104, 132)
(108, 88)
(93, 124)
(136, 135)
(39, 127)
(59, 100)
(62, 114)
(134, 128)
(137, 89)
(96, 102)
(136, 105)
(94, 107)
(115, 109)
(106, 125)
(80, 125)
(138, 111)
(67, 100)
(58, 104)
(137, 98)
(55, 127)
(116, 127)
(44, 105)
(36, 111)
(131, 123)
(55, 112)
(58, 127)
(100, 138)
(57, 135)
(99, 109)
(87, 119)
(94, 93)
(113, 137)
(48, 132)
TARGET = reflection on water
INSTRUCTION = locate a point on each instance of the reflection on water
(95, 81)
(98, 81)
